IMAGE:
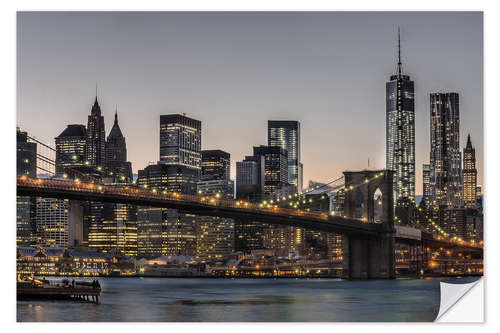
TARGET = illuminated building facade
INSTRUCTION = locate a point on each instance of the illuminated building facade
(214, 237)
(286, 134)
(25, 206)
(215, 164)
(275, 167)
(445, 155)
(165, 231)
(221, 188)
(400, 133)
(180, 141)
(96, 137)
(469, 173)
(117, 230)
(59, 222)
(426, 183)
(70, 149)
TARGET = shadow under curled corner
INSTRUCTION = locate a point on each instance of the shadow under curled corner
(452, 293)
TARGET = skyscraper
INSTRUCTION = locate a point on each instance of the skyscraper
(286, 134)
(469, 173)
(70, 149)
(96, 137)
(166, 231)
(445, 156)
(180, 141)
(275, 167)
(400, 132)
(215, 164)
(117, 167)
(426, 183)
(25, 206)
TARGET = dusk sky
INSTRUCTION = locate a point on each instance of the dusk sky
(235, 71)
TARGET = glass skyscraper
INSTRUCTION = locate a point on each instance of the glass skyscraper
(400, 133)
(70, 149)
(445, 155)
(286, 134)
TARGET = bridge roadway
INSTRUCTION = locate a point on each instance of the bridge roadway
(210, 206)
(193, 204)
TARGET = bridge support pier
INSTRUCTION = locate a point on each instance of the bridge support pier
(368, 257)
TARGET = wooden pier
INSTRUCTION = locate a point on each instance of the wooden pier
(84, 291)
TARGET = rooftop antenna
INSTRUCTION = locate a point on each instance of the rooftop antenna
(368, 163)
(399, 53)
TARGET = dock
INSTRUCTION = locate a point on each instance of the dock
(43, 289)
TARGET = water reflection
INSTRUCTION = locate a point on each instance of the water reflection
(156, 299)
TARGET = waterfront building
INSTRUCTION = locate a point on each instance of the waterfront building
(96, 137)
(162, 231)
(286, 134)
(400, 133)
(117, 230)
(215, 164)
(59, 222)
(71, 150)
(214, 237)
(26, 153)
(445, 156)
(462, 223)
(117, 167)
(469, 173)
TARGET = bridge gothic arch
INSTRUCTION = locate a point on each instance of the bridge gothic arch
(369, 257)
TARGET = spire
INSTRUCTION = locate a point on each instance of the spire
(399, 53)
(469, 143)
(116, 114)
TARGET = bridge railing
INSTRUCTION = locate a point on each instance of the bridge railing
(136, 192)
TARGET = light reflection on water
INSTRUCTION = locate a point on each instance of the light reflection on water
(161, 299)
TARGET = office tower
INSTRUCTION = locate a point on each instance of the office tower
(180, 141)
(25, 206)
(118, 170)
(219, 188)
(215, 164)
(166, 231)
(400, 133)
(250, 178)
(275, 167)
(426, 184)
(286, 134)
(469, 174)
(70, 150)
(445, 156)
(249, 235)
(117, 230)
(59, 222)
(214, 237)
(96, 137)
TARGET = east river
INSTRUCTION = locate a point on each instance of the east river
(281, 300)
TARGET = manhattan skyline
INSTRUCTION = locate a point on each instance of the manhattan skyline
(235, 71)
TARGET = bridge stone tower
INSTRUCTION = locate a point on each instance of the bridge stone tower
(369, 257)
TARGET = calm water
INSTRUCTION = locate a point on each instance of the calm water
(161, 299)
